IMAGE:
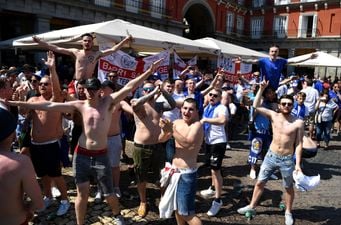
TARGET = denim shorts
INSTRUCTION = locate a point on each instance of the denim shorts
(98, 167)
(185, 194)
(272, 162)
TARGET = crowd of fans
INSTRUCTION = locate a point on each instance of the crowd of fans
(149, 115)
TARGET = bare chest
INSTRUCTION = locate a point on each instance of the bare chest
(86, 59)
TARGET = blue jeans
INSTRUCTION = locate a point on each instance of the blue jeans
(185, 194)
(272, 162)
(323, 131)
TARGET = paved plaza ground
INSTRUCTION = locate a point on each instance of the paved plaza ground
(319, 206)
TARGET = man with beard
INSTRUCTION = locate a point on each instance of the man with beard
(86, 58)
(90, 158)
(287, 139)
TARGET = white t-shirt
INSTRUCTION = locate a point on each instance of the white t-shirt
(173, 114)
(311, 98)
(216, 133)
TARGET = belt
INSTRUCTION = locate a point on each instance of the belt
(144, 146)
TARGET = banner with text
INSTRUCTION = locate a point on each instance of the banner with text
(128, 67)
(232, 69)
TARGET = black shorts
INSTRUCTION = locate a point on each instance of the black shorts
(46, 159)
(215, 154)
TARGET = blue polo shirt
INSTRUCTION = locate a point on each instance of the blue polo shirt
(271, 70)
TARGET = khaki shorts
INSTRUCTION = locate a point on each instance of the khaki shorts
(148, 158)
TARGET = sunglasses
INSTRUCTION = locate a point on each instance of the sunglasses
(213, 95)
(43, 84)
(148, 89)
(289, 104)
(112, 76)
(34, 81)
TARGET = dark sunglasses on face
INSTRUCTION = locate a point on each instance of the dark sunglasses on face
(43, 84)
(34, 81)
(286, 104)
(148, 89)
(214, 95)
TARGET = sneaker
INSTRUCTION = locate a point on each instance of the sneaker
(245, 209)
(98, 197)
(228, 147)
(289, 220)
(118, 220)
(253, 174)
(63, 207)
(208, 193)
(214, 208)
(55, 192)
(47, 203)
(117, 192)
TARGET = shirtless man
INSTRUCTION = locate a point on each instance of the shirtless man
(287, 139)
(86, 58)
(147, 153)
(46, 132)
(17, 177)
(188, 134)
(114, 134)
(96, 114)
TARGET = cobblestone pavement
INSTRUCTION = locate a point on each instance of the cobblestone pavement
(319, 206)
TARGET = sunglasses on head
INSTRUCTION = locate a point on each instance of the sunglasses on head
(148, 89)
(43, 84)
(213, 95)
(286, 104)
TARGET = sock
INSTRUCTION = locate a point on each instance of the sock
(217, 200)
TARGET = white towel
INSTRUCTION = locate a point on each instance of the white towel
(168, 201)
(305, 183)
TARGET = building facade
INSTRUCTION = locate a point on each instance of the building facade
(297, 26)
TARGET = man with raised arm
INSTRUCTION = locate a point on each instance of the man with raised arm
(188, 134)
(86, 58)
(148, 154)
(271, 67)
(90, 156)
(17, 177)
(287, 140)
(45, 135)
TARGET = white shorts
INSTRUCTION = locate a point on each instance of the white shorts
(114, 150)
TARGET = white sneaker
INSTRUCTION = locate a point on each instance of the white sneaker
(118, 220)
(55, 192)
(63, 207)
(289, 220)
(98, 197)
(208, 193)
(117, 192)
(245, 209)
(253, 174)
(228, 147)
(214, 208)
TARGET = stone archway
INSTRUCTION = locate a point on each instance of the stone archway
(199, 19)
